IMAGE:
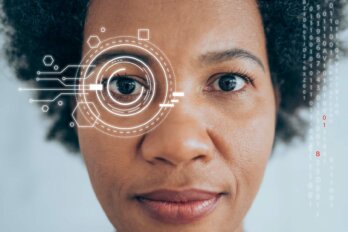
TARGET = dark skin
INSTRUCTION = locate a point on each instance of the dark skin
(213, 139)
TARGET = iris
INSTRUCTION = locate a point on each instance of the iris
(126, 85)
(227, 82)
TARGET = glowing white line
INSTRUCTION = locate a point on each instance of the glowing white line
(69, 66)
(54, 99)
(55, 79)
(178, 94)
(21, 89)
(67, 89)
(78, 78)
(95, 87)
(175, 100)
(166, 105)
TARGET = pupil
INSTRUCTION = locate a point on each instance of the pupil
(227, 83)
(125, 85)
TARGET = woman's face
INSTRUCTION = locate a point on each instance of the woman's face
(209, 155)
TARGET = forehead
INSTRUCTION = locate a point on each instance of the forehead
(182, 26)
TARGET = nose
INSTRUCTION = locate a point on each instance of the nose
(181, 138)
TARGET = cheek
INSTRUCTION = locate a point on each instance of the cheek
(109, 162)
(256, 142)
(112, 167)
(246, 141)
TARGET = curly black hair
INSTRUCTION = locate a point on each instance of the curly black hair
(38, 27)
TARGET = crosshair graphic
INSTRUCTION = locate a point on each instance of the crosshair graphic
(124, 86)
(107, 64)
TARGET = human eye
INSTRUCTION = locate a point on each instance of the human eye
(125, 87)
(229, 82)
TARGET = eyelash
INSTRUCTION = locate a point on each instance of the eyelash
(248, 77)
(244, 74)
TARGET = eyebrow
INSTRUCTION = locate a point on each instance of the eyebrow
(208, 58)
(105, 57)
(113, 54)
(235, 53)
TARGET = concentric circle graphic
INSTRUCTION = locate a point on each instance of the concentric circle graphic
(126, 109)
(124, 85)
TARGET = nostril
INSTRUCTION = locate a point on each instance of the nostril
(199, 157)
(177, 144)
(195, 158)
(163, 160)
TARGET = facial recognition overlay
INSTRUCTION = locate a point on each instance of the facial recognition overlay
(124, 86)
(318, 44)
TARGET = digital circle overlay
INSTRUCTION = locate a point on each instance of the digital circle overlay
(124, 85)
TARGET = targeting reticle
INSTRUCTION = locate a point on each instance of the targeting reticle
(120, 86)
(126, 86)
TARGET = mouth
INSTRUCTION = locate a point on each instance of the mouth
(178, 207)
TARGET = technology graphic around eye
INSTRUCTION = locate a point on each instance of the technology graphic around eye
(124, 86)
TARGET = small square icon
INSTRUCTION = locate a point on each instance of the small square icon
(143, 34)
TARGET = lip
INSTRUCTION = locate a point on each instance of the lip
(178, 207)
